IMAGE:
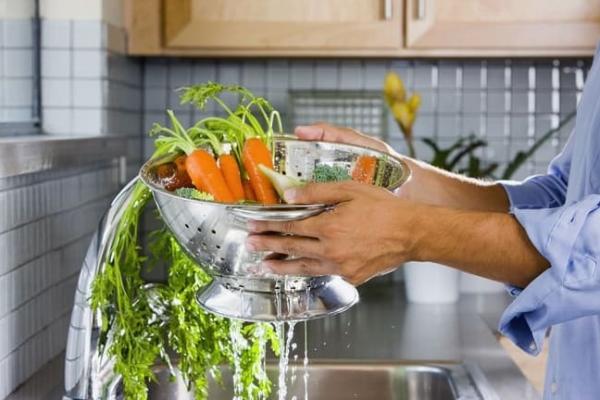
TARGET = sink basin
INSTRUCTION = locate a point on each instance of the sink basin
(344, 381)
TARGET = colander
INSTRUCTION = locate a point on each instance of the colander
(214, 235)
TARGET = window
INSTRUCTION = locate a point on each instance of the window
(19, 67)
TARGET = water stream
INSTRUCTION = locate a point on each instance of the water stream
(238, 344)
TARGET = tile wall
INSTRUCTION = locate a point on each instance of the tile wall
(89, 88)
(46, 222)
(17, 60)
(507, 102)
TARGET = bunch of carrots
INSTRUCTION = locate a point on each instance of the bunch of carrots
(228, 159)
(228, 177)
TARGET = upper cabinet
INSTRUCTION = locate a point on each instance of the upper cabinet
(265, 27)
(504, 27)
(363, 28)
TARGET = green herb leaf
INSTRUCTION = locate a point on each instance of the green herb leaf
(191, 193)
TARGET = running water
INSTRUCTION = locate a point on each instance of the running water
(305, 362)
(238, 344)
(284, 356)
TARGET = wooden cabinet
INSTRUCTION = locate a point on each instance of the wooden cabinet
(265, 27)
(503, 27)
(363, 28)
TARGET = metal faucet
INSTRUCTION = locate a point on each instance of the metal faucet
(89, 375)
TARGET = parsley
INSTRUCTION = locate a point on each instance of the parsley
(137, 333)
(330, 173)
(191, 193)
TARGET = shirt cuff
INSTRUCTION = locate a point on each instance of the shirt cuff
(554, 232)
(523, 321)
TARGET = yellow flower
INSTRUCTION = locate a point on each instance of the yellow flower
(393, 89)
(414, 102)
(405, 116)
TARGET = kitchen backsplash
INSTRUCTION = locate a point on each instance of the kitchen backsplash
(17, 63)
(46, 222)
(507, 102)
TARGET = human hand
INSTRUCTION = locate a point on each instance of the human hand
(369, 232)
(330, 133)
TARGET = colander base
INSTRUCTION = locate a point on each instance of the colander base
(327, 295)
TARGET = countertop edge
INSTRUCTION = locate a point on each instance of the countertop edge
(36, 153)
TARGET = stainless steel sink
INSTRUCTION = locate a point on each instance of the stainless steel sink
(344, 381)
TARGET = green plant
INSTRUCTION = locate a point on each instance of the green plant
(141, 326)
(450, 158)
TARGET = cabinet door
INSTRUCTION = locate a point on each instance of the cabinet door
(558, 27)
(287, 25)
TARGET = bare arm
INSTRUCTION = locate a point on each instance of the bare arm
(428, 185)
(488, 244)
(370, 231)
(431, 185)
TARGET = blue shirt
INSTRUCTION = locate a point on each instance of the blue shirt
(561, 213)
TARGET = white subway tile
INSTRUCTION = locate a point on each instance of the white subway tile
(58, 121)
(56, 92)
(56, 33)
(56, 63)
(88, 121)
(88, 92)
(87, 34)
(18, 63)
(89, 63)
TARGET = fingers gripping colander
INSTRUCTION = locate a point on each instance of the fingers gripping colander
(214, 235)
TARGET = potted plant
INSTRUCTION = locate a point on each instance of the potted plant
(429, 282)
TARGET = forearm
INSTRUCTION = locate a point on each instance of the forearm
(430, 185)
(492, 245)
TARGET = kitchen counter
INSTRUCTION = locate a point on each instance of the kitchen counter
(384, 327)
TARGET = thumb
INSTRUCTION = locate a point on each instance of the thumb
(321, 193)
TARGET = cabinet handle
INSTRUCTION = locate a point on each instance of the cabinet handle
(387, 9)
(421, 9)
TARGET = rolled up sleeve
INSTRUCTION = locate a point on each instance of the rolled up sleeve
(543, 191)
(569, 238)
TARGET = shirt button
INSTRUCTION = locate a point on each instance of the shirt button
(554, 387)
(532, 347)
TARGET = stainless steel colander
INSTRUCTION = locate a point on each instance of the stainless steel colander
(214, 235)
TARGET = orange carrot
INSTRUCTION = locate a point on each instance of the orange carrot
(364, 169)
(248, 191)
(231, 172)
(204, 172)
(255, 153)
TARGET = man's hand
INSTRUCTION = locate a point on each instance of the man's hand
(367, 233)
(330, 133)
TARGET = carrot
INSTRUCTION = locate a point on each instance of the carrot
(231, 172)
(256, 152)
(364, 169)
(248, 191)
(205, 173)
